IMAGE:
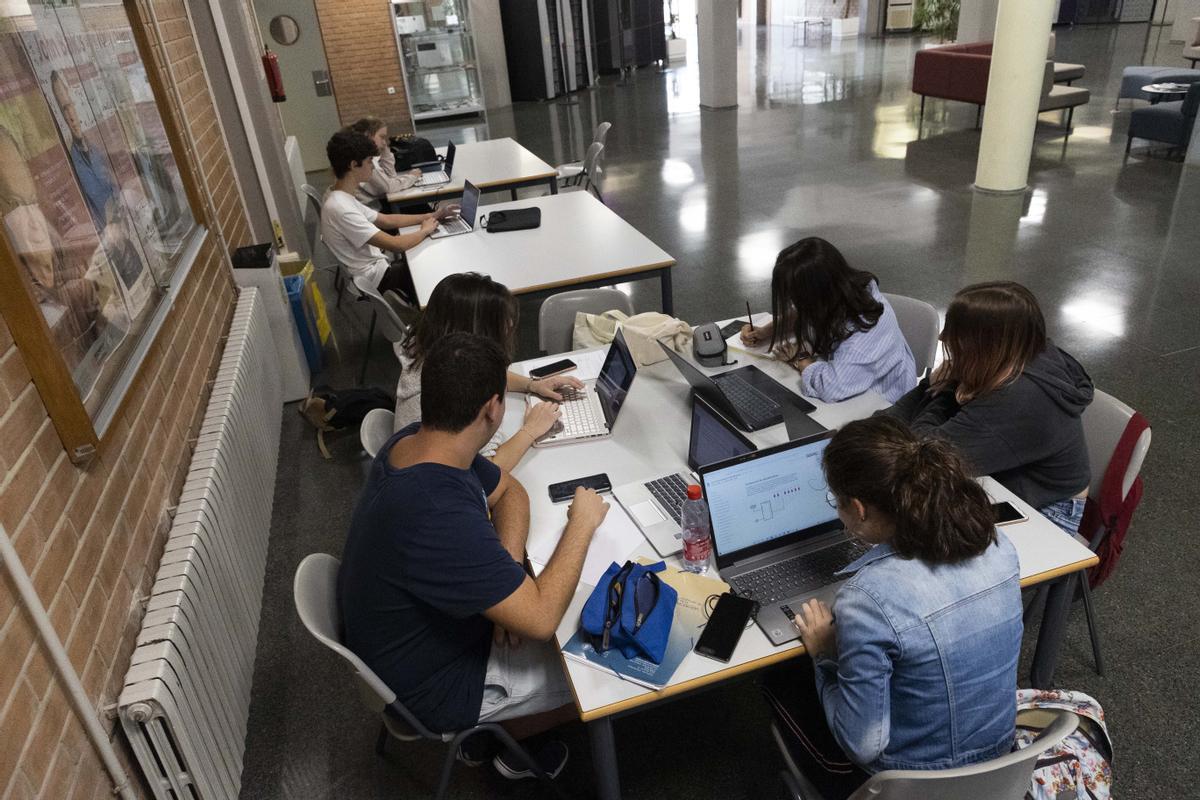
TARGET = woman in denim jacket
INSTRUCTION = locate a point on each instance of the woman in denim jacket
(919, 670)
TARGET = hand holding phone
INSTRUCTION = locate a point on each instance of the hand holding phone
(566, 489)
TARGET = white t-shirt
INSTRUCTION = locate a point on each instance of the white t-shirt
(346, 227)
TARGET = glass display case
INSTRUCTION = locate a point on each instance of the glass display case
(437, 52)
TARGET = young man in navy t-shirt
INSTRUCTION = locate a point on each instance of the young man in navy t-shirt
(433, 593)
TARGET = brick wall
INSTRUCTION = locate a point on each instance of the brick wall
(360, 47)
(91, 537)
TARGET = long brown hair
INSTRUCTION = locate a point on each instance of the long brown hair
(465, 303)
(822, 298)
(367, 126)
(941, 515)
(992, 331)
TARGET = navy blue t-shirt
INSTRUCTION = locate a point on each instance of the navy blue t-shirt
(421, 564)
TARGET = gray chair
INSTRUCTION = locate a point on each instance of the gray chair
(1134, 78)
(1170, 122)
(556, 319)
(920, 324)
(315, 244)
(1005, 778)
(377, 426)
(573, 174)
(391, 315)
(314, 590)
(601, 133)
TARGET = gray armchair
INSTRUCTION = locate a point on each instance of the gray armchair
(1166, 122)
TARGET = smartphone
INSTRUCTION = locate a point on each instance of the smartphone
(1007, 513)
(725, 627)
(557, 368)
(566, 490)
(733, 327)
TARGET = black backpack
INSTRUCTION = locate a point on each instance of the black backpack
(410, 150)
(338, 409)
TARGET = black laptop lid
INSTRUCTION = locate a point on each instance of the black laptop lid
(616, 376)
(704, 385)
(713, 437)
(470, 203)
(768, 499)
(449, 163)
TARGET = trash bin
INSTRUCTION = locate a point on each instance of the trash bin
(305, 322)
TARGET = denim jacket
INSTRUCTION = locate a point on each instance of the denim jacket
(927, 660)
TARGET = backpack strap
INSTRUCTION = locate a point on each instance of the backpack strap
(1107, 517)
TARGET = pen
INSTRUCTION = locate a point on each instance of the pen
(749, 316)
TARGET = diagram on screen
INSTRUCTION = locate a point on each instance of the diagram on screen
(766, 510)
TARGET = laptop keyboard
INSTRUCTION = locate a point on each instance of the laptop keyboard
(457, 225)
(754, 405)
(798, 575)
(431, 178)
(670, 492)
(580, 416)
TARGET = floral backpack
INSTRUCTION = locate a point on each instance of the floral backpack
(1078, 767)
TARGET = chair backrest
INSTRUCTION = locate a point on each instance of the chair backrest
(589, 158)
(387, 319)
(1005, 778)
(1104, 422)
(314, 202)
(601, 135)
(920, 325)
(596, 175)
(556, 319)
(375, 429)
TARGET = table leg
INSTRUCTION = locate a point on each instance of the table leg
(553, 185)
(513, 193)
(604, 759)
(668, 299)
(1050, 636)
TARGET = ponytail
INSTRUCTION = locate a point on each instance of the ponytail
(941, 514)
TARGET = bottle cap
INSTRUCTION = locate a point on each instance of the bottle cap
(694, 492)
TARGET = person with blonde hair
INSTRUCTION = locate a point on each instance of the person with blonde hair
(384, 178)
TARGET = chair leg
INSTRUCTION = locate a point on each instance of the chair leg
(978, 116)
(381, 741)
(921, 118)
(447, 770)
(506, 740)
(1128, 143)
(362, 374)
(1070, 116)
(339, 283)
(1039, 595)
(1093, 630)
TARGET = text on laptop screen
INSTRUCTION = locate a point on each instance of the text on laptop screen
(769, 497)
(712, 441)
(616, 376)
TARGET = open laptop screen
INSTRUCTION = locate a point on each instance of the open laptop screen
(616, 376)
(470, 203)
(713, 439)
(449, 162)
(766, 496)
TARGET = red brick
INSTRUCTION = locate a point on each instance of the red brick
(25, 481)
(61, 775)
(18, 637)
(15, 728)
(47, 732)
(52, 568)
(14, 376)
(21, 424)
(51, 504)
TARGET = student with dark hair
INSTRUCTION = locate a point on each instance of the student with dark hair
(920, 669)
(472, 303)
(832, 324)
(356, 234)
(1009, 399)
(384, 179)
(432, 591)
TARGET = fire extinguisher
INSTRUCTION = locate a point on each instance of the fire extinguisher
(274, 77)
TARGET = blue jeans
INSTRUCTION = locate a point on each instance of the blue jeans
(1066, 514)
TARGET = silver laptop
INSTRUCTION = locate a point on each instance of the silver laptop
(776, 535)
(434, 173)
(590, 413)
(465, 221)
(656, 505)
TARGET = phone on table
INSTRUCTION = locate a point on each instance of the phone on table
(556, 368)
(1007, 513)
(725, 627)
(566, 490)
(733, 327)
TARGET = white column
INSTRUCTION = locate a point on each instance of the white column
(717, 53)
(1014, 92)
(976, 21)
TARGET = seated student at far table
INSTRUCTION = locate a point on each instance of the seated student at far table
(1009, 400)
(384, 179)
(919, 671)
(472, 303)
(433, 594)
(356, 234)
(831, 323)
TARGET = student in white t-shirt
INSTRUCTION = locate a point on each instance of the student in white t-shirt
(357, 235)
(384, 179)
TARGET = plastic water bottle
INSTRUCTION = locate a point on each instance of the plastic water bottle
(697, 536)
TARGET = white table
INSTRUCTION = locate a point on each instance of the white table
(651, 439)
(580, 243)
(491, 165)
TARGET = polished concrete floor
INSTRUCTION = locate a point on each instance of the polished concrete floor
(825, 142)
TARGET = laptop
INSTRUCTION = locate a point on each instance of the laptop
(776, 537)
(590, 413)
(747, 395)
(656, 505)
(436, 172)
(465, 221)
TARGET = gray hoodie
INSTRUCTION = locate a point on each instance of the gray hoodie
(1028, 434)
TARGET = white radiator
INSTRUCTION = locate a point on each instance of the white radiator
(187, 693)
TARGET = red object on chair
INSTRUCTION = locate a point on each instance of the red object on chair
(1107, 517)
(274, 76)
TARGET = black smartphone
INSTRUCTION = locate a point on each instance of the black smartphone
(566, 490)
(556, 368)
(1007, 513)
(725, 627)
(733, 327)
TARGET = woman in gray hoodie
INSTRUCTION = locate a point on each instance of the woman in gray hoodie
(1009, 399)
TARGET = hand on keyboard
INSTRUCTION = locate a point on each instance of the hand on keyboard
(540, 419)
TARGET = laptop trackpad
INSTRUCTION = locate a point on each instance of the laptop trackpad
(646, 513)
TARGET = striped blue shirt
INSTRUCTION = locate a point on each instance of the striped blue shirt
(877, 359)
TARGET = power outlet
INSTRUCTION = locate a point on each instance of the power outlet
(391, 90)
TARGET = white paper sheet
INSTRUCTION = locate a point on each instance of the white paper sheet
(615, 539)
(735, 342)
(588, 363)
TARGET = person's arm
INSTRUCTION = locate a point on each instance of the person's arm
(398, 243)
(850, 371)
(509, 503)
(855, 685)
(910, 404)
(536, 608)
(977, 430)
(539, 418)
(549, 388)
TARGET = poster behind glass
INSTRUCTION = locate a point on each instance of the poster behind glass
(90, 195)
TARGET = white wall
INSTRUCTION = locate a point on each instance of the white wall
(977, 21)
(489, 47)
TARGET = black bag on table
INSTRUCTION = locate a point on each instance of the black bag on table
(411, 150)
